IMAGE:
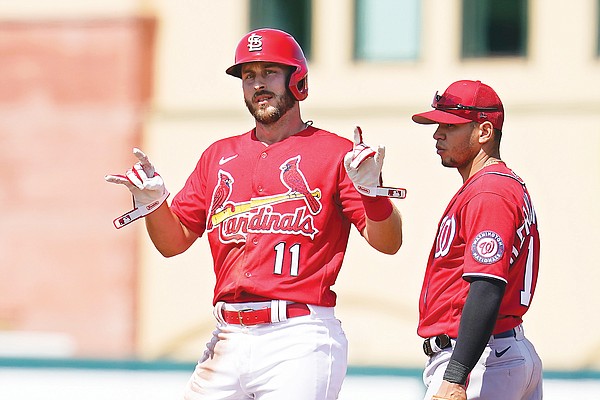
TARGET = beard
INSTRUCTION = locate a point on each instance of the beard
(270, 114)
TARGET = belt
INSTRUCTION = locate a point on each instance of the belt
(505, 334)
(438, 343)
(263, 315)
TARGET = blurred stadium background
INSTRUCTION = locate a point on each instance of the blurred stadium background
(82, 82)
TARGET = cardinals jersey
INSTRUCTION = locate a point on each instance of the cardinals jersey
(277, 217)
(489, 229)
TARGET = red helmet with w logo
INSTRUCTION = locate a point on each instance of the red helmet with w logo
(273, 45)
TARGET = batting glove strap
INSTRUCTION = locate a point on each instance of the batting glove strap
(382, 191)
(140, 211)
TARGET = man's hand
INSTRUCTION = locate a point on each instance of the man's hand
(364, 165)
(450, 391)
(146, 186)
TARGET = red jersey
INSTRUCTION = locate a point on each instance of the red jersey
(489, 229)
(277, 217)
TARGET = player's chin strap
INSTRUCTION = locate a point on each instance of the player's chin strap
(139, 212)
(382, 191)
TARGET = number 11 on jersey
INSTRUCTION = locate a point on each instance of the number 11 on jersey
(279, 258)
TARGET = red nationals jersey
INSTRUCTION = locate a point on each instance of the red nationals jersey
(277, 217)
(489, 229)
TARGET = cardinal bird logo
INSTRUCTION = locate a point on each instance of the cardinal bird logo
(220, 196)
(292, 177)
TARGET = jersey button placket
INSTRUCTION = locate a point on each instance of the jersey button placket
(259, 187)
(252, 238)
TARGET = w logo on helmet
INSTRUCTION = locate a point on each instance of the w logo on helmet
(255, 42)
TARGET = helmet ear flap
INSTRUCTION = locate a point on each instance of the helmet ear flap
(300, 90)
(297, 83)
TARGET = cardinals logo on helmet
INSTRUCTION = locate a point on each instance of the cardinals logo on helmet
(255, 42)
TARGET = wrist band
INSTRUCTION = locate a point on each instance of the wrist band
(456, 372)
(377, 208)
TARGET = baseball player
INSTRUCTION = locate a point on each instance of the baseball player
(277, 204)
(483, 267)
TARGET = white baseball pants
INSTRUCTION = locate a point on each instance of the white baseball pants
(301, 358)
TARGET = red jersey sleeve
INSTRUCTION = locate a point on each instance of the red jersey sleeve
(189, 204)
(489, 222)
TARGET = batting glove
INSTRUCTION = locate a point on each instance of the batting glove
(363, 165)
(146, 186)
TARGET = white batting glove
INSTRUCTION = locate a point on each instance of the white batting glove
(364, 165)
(146, 186)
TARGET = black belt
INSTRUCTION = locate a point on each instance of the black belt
(505, 334)
(440, 342)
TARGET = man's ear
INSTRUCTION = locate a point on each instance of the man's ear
(486, 132)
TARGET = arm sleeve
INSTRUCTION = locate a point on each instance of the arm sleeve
(476, 326)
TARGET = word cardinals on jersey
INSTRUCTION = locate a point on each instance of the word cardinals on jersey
(482, 240)
(246, 195)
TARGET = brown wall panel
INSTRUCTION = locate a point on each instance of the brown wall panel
(72, 100)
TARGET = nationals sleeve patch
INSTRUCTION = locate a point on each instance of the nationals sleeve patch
(487, 248)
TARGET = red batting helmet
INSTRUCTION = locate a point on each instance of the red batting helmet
(273, 45)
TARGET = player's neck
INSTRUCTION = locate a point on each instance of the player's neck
(481, 161)
(289, 124)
